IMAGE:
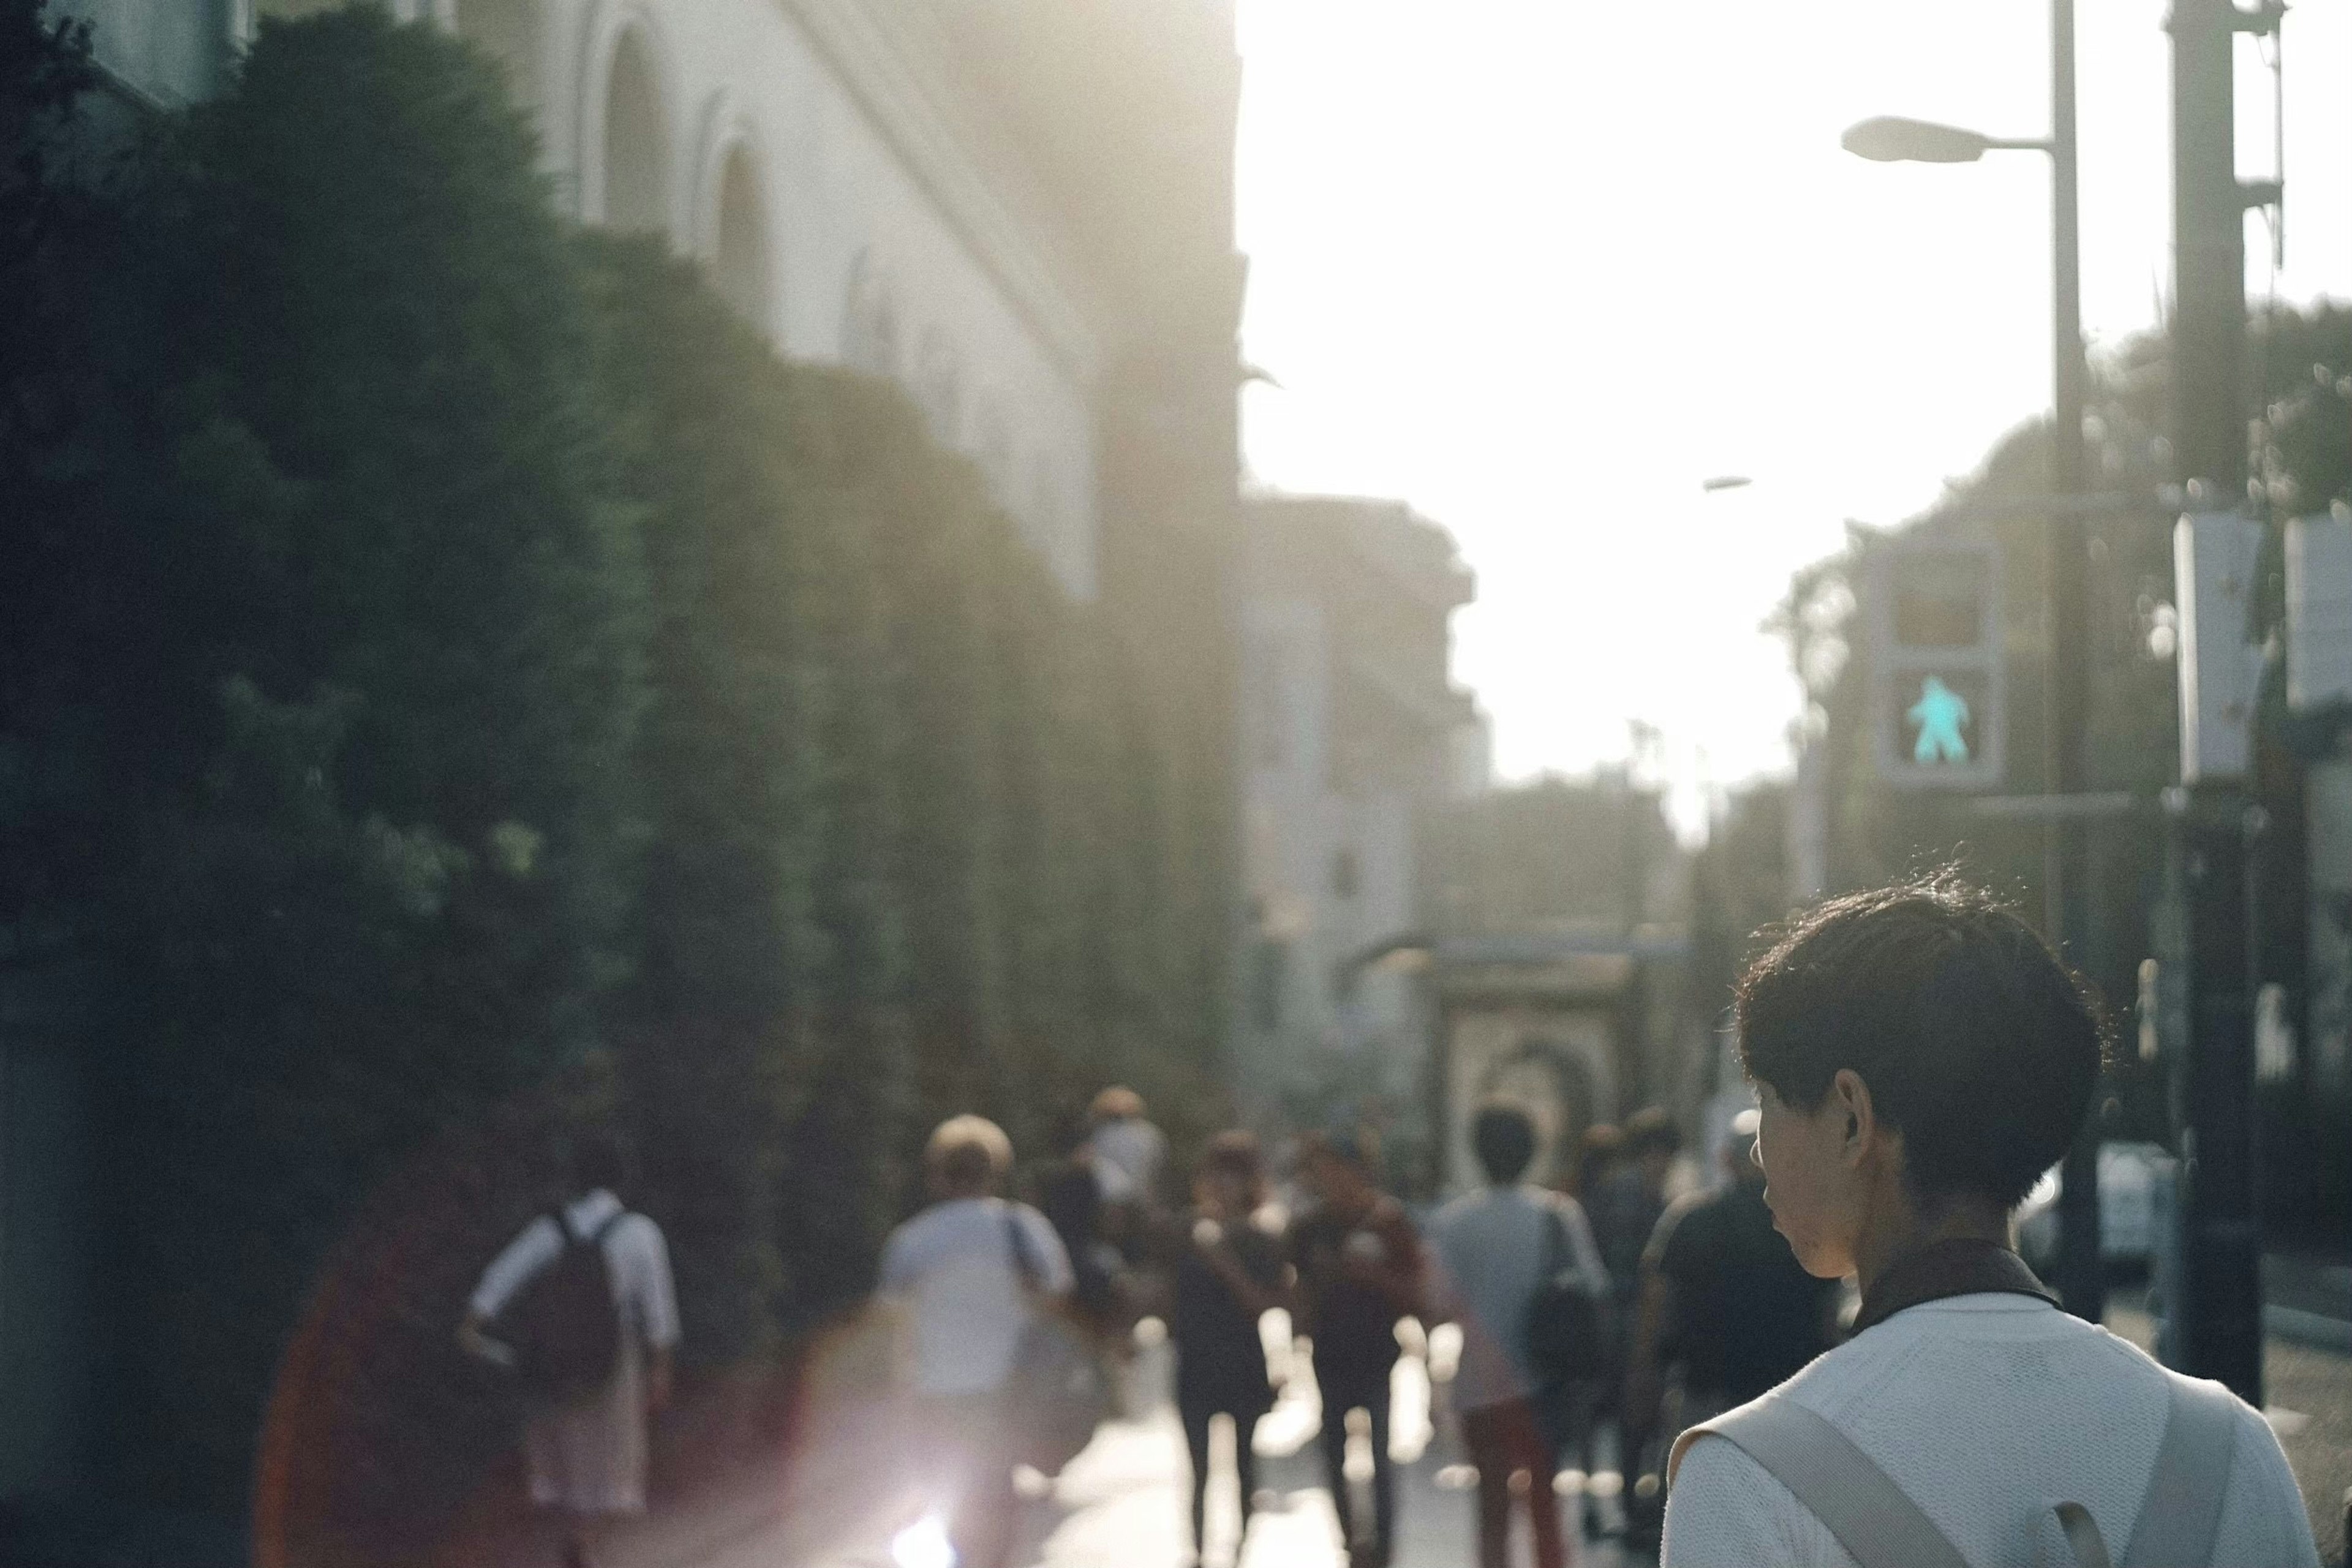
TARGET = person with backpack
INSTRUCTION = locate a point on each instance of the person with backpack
(1920, 1058)
(976, 1281)
(580, 1308)
(1506, 1250)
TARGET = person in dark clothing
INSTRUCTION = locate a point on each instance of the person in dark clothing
(1360, 1274)
(1070, 1198)
(1724, 1297)
(1229, 1271)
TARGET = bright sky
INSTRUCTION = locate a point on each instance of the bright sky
(1540, 267)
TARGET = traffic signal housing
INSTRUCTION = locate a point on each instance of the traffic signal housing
(1938, 688)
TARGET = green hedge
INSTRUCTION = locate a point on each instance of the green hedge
(473, 668)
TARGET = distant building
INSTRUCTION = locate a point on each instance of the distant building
(1353, 731)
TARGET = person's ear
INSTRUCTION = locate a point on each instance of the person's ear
(1850, 1096)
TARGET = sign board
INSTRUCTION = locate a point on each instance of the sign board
(2214, 556)
(2318, 612)
(1939, 694)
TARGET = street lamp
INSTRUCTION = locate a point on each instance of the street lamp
(2065, 866)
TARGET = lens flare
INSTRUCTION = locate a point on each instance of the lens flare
(923, 1544)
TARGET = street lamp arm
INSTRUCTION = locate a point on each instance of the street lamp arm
(1892, 139)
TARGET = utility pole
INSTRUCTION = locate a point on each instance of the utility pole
(2217, 1329)
(2066, 861)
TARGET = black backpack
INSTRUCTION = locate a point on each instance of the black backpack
(1567, 1327)
(563, 1323)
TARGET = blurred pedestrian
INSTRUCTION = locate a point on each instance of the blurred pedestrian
(1724, 1300)
(1360, 1275)
(1921, 1057)
(1232, 1269)
(1598, 1154)
(1128, 1151)
(967, 1274)
(581, 1308)
(1500, 1247)
(1070, 1197)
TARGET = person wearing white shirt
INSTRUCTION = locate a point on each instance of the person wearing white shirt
(965, 1275)
(1496, 1247)
(1920, 1056)
(587, 1458)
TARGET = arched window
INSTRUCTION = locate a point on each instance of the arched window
(637, 139)
(739, 251)
(869, 321)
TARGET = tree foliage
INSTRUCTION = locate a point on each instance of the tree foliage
(473, 666)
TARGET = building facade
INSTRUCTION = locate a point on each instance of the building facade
(911, 189)
(1353, 733)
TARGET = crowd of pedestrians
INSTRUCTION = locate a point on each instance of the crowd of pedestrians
(1919, 1057)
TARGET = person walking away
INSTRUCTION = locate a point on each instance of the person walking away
(1070, 1197)
(1625, 1200)
(1498, 1247)
(965, 1275)
(1360, 1275)
(1232, 1269)
(1128, 1153)
(1723, 1297)
(582, 1306)
(1920, 1058)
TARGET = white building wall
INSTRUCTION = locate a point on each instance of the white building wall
(872, 169)
(839, 191)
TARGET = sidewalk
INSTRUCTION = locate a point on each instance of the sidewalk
(1123, 1503)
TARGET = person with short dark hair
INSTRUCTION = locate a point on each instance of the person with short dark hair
(967, 1273)
(1231, 1268)
(1921, 1057)
(1360, 1275)
(1498, 1247)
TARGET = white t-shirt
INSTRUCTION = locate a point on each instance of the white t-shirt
(954, 1267)
(1491, 1248)
(636, 1257)
(1126, 1156)
(1986, 1410)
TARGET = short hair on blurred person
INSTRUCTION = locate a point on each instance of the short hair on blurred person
(1976, 1043)
(1602, 1145)
(1651, 1130)
(1235, 1154)
(1358, 1148)
(1116, 1103)
(967, 1156)
(1502, 1135)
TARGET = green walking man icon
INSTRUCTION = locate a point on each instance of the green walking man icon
(1939, 713)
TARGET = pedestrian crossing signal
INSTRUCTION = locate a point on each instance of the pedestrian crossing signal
(1937, 690)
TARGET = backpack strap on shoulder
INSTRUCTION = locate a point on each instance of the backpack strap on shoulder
(2182, 1516)
(1872, 1519)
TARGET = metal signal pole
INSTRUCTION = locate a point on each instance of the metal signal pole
(2217, 1319)
(2066, 876)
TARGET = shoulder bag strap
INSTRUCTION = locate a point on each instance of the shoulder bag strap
(1872, 1519)
(2182, 1516)
(1023, 1265)
(1558, 1253)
